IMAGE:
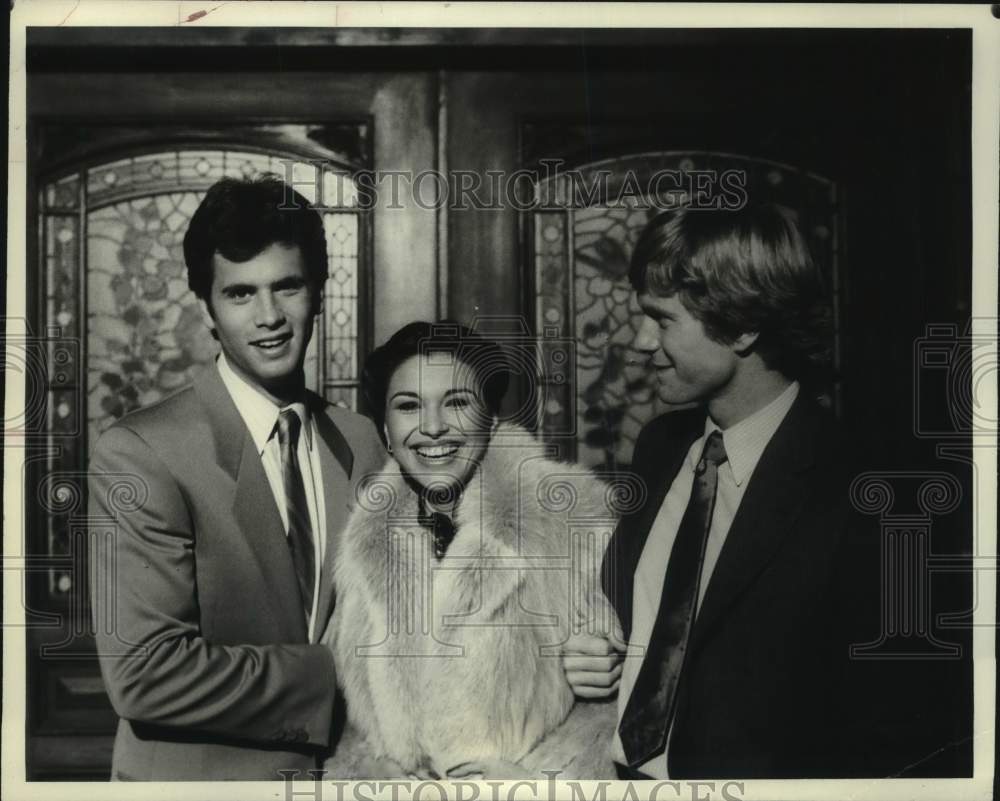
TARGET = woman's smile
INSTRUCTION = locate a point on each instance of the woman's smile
(437, 453)
(436, 424)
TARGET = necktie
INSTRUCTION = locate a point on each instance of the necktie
(652, 704)
(443, 531)
(440, 526)
(299, 529)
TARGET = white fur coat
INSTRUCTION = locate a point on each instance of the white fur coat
(448, 661)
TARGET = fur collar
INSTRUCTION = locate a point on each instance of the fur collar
(465, 645)
(514, 507)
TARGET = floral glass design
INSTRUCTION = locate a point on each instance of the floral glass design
(340, 310)
(145, 332)
(581, 254)
(115, 282)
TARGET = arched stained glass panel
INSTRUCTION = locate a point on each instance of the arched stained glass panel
(115, 281)
(584, 231)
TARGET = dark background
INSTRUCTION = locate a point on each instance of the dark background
(885, 114)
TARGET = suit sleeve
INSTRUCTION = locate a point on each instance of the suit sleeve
(157, 667)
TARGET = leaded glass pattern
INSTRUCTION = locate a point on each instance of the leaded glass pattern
(615, 394)
(582, 245)
(62, 244)
(115, 283)
(61, 257)
(340, 304)
(146, 331)
(63, 195)
(194, 170)
(553, 276)
(146, 335)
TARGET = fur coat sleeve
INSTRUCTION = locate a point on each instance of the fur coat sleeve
(453, 660)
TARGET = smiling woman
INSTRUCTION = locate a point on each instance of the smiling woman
(438, 419)
(459, 577)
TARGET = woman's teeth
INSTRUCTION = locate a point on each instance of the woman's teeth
(436, 451)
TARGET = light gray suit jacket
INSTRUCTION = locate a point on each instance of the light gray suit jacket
(200, 633)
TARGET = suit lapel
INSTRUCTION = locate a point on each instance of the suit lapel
(774, 498)
(257, 515)
(337, 465)
(253, 506)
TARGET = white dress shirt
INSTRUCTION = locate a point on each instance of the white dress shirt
(744, 443)
(261, 417)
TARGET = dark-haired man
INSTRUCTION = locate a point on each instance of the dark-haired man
(219, 585)
(743, 580)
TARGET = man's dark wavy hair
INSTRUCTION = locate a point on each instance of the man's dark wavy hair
(740, 272)
(238, 219)
(484, 357)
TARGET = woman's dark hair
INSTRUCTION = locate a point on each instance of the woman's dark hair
(484, 357)
(238, 219)
(741, 271)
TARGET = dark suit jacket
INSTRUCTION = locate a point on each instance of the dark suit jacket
(768, 689)
(200, 633)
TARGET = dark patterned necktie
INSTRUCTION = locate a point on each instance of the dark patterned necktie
(300, 539)
(653, 702)
(439, 525)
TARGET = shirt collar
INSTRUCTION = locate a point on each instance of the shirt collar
(745, 441)
(257, 411)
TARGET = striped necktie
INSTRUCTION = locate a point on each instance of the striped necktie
(300, 539)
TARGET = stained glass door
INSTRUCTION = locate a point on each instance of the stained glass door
(115, 281)
(124, 331)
